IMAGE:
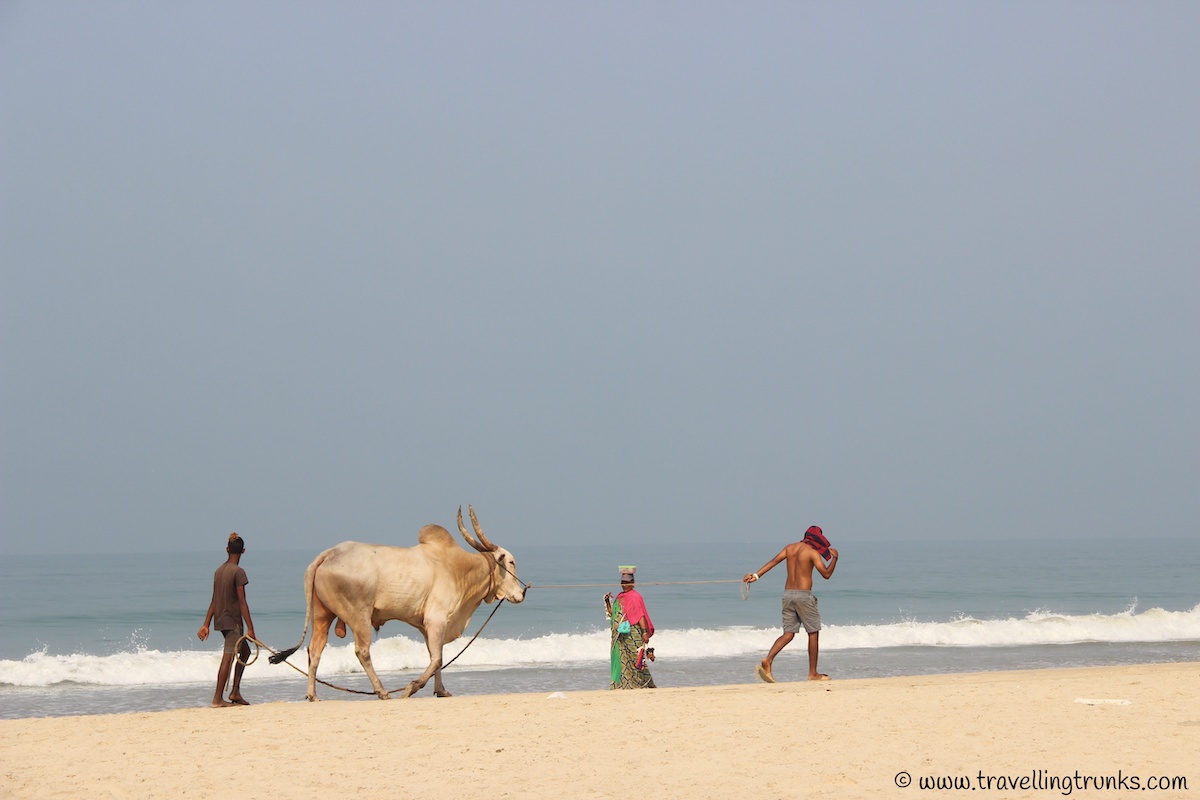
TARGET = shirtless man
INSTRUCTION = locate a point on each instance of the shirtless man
(799, 603)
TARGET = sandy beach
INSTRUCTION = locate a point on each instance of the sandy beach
(1001, 734)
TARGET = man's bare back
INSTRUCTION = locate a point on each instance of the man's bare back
(801, 558)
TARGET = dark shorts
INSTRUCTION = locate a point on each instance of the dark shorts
(231, 639)
(800, 607)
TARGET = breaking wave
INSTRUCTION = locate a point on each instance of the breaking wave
(142, 667)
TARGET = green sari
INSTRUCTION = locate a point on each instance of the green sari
(626, 641)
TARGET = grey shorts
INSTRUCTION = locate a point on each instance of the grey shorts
(800, 607)
(231, 639)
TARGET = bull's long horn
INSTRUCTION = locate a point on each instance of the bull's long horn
(463, 528)
(479, 530)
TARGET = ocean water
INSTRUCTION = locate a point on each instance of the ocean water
(117, 633)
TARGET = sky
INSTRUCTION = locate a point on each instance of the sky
(609, 272)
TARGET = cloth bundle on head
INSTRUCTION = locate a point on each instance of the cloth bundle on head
(816, 540)
(627, 573)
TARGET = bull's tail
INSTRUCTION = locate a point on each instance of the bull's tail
(284, 655)
(310, 576)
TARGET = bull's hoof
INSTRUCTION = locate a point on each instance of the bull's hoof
(312, 698)
(384, 696)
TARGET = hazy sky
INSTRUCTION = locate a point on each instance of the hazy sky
(647, 272)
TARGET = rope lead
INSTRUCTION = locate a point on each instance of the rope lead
(259, 645)
(745, 588)
(644, 583)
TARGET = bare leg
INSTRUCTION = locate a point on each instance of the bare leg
(813, 649)
(239, 666)
(218, 700)
(780, 643)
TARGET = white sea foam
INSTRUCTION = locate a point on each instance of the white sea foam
(404, 653)
(1036, 628)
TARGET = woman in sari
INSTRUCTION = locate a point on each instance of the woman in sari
(631, 632)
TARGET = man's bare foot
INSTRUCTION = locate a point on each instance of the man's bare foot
(818, 677)
(764, 672)
(340, 629)
(238, 700)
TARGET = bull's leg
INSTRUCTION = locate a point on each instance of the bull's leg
(322, 618)
(434, 634)
(438, 689)
(435, 654)
(361, 628)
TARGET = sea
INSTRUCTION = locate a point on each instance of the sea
(116, 633)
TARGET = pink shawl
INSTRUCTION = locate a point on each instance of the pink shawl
(634, 608)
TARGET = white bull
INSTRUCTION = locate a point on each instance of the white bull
(435, 587)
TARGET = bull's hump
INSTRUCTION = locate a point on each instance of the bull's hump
(435, 535)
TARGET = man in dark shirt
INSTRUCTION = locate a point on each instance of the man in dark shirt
(226, 612)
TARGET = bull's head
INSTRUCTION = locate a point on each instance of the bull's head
(508, 585)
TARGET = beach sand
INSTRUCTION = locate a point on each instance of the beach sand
(841, 739)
